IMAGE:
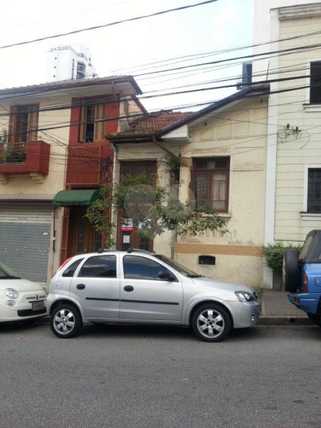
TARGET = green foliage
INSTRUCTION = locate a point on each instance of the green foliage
(152, 209)
(274, 255)
(97, 215)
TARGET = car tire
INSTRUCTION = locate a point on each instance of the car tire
(291, 273)
(211, 322)
(65, 321)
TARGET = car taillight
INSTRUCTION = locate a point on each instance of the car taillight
(64, 263)
(305, 288)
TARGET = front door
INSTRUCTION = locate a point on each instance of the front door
(134, 169)
(83, 238)
(97, 288)
(146, 297)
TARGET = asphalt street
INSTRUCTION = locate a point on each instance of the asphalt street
(159, 377)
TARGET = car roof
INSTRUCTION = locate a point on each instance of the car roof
(102, 252)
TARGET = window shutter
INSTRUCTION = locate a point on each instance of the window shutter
(33, 120)
(99, 124)
(12, 125)
(75, 119)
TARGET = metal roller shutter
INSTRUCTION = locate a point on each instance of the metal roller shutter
(25, 239)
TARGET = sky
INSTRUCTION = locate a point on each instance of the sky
(127, 47)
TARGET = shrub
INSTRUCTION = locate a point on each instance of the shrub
(274, 255)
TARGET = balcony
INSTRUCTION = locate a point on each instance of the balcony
(25, 159)
(88, 164)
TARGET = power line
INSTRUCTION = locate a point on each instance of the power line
(217, 52)
(108, 101)
(109, 24)
(220, 61)
(61, 125)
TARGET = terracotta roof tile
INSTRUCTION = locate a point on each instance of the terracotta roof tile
(153, 122)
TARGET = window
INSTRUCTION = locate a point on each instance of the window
(81, 70)
(315, 82)
(211, 183)
(89, 124)
(99, 267)
(92, 124)
(23, 123)
(314, 190)
(136, 267)
(72, 268)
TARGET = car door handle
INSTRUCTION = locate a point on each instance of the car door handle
(81, 286)
(129, 288)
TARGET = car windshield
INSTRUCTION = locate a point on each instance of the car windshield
(177, 266)
(311, 251)
(7, 273)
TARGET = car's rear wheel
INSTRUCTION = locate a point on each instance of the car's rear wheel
(66, 321)
(291, 270)
(211, 322)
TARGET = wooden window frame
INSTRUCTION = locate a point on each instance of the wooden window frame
(209, 174)
(99, 111)
(32, 111)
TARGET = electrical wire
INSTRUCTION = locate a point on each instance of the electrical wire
(109, 24)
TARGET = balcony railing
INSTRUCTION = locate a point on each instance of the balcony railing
(30, 158)
(88, 164)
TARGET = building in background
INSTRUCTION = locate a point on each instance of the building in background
(293, 181)
(52, 161)
(67, 63)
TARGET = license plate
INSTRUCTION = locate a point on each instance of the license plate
(38, 306)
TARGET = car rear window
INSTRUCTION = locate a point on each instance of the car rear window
(99, 267)
(71, 269)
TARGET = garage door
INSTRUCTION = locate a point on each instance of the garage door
(25, 240)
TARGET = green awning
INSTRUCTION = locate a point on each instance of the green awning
(70, 198)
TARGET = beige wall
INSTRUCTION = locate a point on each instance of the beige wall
(239, 132)
(296, 152)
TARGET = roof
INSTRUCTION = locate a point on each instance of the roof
(69, 84)
(179, 119)
(151, 124)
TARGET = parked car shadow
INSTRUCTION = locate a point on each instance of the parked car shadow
(157, 332)
(14, 326)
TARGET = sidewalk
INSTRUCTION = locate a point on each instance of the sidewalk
(277, 310)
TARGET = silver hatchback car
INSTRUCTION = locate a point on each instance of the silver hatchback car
(142, 287)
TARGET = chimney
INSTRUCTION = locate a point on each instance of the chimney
(247, 75)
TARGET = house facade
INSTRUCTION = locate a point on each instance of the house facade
(293, 189)
(222, 152)
(53, 158)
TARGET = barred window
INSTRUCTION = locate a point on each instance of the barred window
(211, 183)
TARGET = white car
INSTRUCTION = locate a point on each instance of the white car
(20, 299)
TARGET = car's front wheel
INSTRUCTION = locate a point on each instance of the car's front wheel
(65, 321)
(211, 322)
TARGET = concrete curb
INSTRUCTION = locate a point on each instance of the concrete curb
(284, 320)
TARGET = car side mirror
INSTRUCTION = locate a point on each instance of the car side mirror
(166, 276)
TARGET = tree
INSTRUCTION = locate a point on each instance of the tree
(153, 210)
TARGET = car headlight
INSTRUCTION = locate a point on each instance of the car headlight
(245, 296)
(12, 296)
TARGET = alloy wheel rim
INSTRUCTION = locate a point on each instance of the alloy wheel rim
(64, 321)
(210, 323)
